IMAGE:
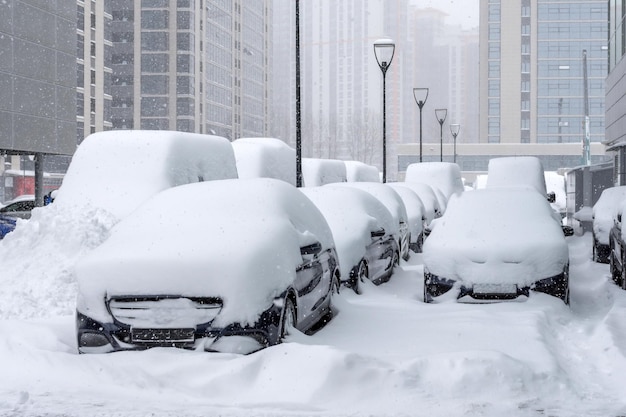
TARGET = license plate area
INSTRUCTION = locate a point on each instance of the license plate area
(162, 336)
(496, 289)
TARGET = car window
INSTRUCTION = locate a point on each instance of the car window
(18, 206)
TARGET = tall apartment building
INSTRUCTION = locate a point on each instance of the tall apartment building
(191, 65)
(532, 83)
(615, 115)
(93, 71)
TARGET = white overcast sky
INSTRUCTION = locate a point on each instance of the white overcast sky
(462, 12)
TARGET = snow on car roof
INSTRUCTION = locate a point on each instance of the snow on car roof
(514, 171)
(234, 239)
(385, 195)
(118, 170)
(445, 176)
(316, 172)
(485, 232)
(604, 211)
(414, 209)
(265, 158)
(351, 227)
(357, 171)
(426, 195)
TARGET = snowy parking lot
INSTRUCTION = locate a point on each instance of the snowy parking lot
(385, 353)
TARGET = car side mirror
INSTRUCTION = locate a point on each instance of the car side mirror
(551, 197)
(312, 249)
(378, 233)
(568, 230)
(619, 217)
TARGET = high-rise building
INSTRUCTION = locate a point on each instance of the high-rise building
(37, 90)
(534, 87)
(93, 80)
(191, 65)
(615, 116)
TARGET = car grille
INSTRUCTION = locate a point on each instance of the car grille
(164, 312)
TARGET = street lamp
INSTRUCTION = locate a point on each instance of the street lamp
(441, 117)
(383, 51)
(454, 129)
(420, 95)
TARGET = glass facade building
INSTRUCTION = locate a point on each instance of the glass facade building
(533, 77)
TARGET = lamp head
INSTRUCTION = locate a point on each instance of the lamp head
(383, 51)
(454, 129)
(420, 95)
(441, 115)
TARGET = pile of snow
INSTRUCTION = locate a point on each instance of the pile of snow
(605, 210)
(265, 158)
(352, 215)
(237, 240)
(357, 171)
(496, 235)
(445, 176)
(317, 172)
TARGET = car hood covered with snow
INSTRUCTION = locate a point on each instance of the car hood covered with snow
(352, 228)
(497, 235)
(237, 240)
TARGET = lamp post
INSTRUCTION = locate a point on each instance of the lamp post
(454, 129)
(420, 95)
(441, 117)
(383, 51)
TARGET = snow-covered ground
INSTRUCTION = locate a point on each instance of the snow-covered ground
(386, 353)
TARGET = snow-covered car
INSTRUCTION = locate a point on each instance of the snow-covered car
(19, 207)
(427, 195)
(240, 263)
(603, 218)
(363, 230)
(265, 158)
(357, 171)
(444, 176)
(395, 205)
(7, 225)
(319, 171)
(617, 247)
(416, 214)
(496, 244)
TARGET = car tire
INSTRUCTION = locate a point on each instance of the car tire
(288, 319)
(427, 296)
(361, 275)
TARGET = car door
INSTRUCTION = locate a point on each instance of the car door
(379, 256)
(313, 279)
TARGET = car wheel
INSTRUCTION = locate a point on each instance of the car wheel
(396, 259)
(594, 251)
(361, 275)
(427, 297)
(288, 320)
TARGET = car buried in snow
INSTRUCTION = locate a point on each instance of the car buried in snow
(496, 244)
(240, 264)
(603, 218)
(363, 230)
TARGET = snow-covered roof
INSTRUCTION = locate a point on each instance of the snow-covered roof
(265, 158)
(385, 195)
(357, 171)
(446, 176)
(118, 170)
(316, 171)
(234, 239)
(427, 196)
(352, 215)
(497, 235)
(514, 171)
